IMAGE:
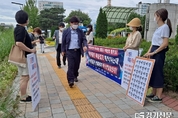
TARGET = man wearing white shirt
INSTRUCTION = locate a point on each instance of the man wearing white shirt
(58, 40)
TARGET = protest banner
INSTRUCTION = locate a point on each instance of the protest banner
(129, 59)
(106, 61)
(140, 79)
(34, 79)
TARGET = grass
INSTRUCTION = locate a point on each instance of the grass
(6, 41)
(50, 43)
(8, 102)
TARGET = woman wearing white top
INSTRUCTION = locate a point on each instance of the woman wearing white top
(89, 35)
(157, 51)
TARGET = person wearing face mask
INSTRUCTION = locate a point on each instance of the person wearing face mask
(58, 40)
(134, 39)
(34, 36)
(89, 35)
(157, 51)
(74, 44)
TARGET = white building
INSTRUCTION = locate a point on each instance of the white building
(142, 8)
(49, 4)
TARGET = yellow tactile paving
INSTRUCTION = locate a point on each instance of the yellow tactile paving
(84, 107)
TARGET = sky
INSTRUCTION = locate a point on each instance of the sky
(8, 10)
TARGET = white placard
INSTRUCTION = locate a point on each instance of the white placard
(34, 79)
(140, 79)
(129, 59)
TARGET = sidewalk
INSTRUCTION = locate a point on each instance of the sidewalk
(94, 96)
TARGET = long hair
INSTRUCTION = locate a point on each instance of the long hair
(139, 28)
(163, 14)
(91, 29)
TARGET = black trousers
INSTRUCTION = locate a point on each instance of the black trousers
(58, 56)
(73, 58)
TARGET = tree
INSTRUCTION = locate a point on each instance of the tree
(32, 10)
(142, 18)
(83, 17)
(113, 26)
(50, 18)
(101, 25)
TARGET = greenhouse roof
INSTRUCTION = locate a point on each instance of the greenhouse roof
(118, 14)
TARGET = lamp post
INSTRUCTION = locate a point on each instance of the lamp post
(17, 4)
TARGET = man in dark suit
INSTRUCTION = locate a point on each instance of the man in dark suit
(58, 40)
(74, 44)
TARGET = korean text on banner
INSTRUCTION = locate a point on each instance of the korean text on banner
(129, 59)
(106, 61)
(34, 79)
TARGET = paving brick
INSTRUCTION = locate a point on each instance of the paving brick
(125, 106)
(129, 111)
(107, 114)
(121, 115)
(110, 105)
(69, 107)
(57, 111)
(93, 101)
(53, 106)
(166, 98)
(115, 110)
(98, 105)
(173, 104)
(45, 114)
(175, 108)
(71, 112)
(102, 109)
(61, 115)
(44, 109)
(152, 108)
(74, 116)
(119, 102)
(169, 101)
(31, 114)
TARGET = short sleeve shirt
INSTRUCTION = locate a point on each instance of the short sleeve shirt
(160, 33)
(20, 34)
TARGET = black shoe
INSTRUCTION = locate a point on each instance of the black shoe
(59, 66)
(28, 99)
(150, 96)
(155, 99)
(71, 84)
(64, 63)
(75, 79)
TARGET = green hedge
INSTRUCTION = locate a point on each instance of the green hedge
(6, 41)
(7, 75)
(171, 62)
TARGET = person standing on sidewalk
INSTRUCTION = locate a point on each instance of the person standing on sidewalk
(89, 35)
(35, 36)
(42, 41)
(58, 36)
(74, 44)
(23, 41)
(134, 39)
(157, 51)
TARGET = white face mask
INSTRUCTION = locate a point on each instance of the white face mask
(61, 29)
(36, 35)
(154, 18)
(88, 29)
(130, 28)
(74, 26)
